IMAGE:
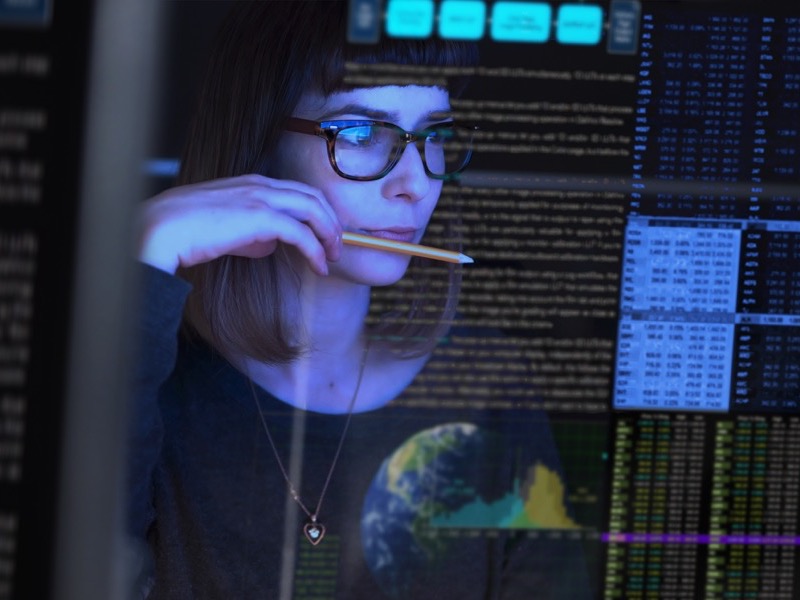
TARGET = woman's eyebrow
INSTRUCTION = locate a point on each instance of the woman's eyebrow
(438, 115)
(359, 109)
(382, 115)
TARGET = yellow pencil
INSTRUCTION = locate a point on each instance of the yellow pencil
(367, 241)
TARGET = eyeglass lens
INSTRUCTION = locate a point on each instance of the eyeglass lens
(368, 150)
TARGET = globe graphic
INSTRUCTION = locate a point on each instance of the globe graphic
(428, 474)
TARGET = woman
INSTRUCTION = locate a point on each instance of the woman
(268, 429)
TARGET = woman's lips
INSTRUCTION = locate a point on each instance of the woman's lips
(397, 234)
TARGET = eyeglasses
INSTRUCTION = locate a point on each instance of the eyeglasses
(367, 150)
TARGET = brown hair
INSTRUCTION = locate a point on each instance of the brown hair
(265, 55)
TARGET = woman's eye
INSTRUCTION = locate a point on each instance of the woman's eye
(439, 134)
(358, 137)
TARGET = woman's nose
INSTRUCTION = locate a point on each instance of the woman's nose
(408, 178)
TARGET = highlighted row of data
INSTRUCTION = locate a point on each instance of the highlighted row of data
(530, 22)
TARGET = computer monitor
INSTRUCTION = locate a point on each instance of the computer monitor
(631, 208)
(630, 321)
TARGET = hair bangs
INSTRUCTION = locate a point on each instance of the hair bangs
(432, 55)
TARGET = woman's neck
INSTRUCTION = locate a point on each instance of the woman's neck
(326, 317)
(327, 314)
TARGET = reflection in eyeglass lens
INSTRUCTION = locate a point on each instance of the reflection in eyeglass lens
(367, 150)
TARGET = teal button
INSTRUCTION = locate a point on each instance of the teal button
(579, 24)
(462, 19)
(409, 18)
(521, 21)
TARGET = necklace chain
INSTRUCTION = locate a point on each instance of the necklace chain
(294, 493)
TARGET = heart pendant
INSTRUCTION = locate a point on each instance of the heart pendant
(314, 532)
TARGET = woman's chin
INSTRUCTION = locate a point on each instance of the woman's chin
(374, 268)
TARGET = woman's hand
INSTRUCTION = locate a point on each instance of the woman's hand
(241, 216)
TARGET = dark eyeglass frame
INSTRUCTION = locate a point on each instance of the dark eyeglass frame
(328, 130)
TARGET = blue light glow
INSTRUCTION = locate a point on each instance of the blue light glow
(579, 24)
(410, 18)
(462, 19)
(521, 21)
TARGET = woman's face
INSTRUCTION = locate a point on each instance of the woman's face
(397, 206)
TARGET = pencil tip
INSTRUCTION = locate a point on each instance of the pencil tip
(465, 260)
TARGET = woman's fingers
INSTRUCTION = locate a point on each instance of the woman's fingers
(242, 216)
(263, 240)
(311, 209)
